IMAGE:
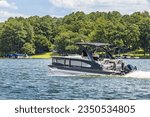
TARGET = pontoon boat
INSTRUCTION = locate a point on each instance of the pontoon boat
(88, 63)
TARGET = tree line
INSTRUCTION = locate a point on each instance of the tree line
(43, 34)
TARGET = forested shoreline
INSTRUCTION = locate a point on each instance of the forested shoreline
(36, 34)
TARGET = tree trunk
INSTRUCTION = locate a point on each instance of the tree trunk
(144, 51)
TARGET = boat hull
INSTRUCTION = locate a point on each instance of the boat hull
(74, 70)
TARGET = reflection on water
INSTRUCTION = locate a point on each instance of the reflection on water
(32, 79)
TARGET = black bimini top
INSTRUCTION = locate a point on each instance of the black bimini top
(92, 44)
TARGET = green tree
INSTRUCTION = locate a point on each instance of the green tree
(42, 44)
(65, 41)
(15, 34)
(46, 33)
(28, 48)
(45, 26)
(99, 33)
(131, 36)
(1, 27)
(144, 26)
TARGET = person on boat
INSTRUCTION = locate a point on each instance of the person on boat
(95, 56)
(114, 65)
(84, 54)
(122, 66)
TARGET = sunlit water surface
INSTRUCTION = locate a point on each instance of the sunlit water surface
(32, 79)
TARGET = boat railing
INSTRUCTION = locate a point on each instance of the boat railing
(71, 62)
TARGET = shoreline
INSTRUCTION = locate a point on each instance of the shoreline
(49, 55)
(52, 56)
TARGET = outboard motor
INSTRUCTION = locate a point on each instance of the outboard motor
(129, 68)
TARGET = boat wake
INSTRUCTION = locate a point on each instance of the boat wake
(65, 73)
(139, 74)
(56, 72)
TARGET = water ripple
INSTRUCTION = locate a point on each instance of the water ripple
(31, 79)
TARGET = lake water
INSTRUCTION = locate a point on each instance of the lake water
(32, 79)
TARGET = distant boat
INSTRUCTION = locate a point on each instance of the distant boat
(136, 57)
(17, 56)
(126, 57)
(90, 63)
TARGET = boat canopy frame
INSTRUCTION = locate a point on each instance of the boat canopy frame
(100, 45)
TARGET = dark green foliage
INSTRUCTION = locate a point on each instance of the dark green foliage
(13, 36)
(42, 34)
(42, 44)
(144, 26)
(28, 49)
